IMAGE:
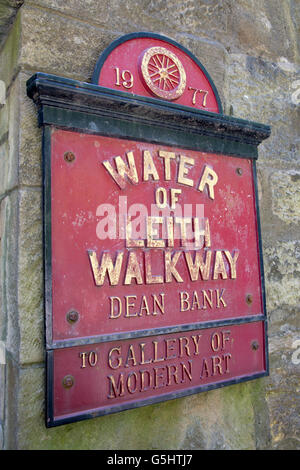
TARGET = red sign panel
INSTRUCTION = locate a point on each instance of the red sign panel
(150, 65)
(108, 377)
(149, 237)
(153, 270)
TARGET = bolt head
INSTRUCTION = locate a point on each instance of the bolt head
(72, 316)
(68, 381)
(69, 157)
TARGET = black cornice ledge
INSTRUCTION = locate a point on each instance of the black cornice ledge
(85, 107)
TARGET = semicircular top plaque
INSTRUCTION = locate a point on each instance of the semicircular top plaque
(152, 65)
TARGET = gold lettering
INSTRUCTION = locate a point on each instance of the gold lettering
(215, 341)
(129, 170)
(170, 347)
(216, 365)
(174, 198)
(170, 263)
(167, 156)
(106, 266)
(202, 236)
(83, 357)
(158, 376)
(161, 202)
(184, 301)
(196, 343)
(142, 347)
(219, 266)
(156, 359)
(170, 231)
(205, 368)
(209, 178)
(114, 313)
(226, 357)
(131, 243)
(116, 390)
(143, 387)
(232, 261)
(129, 384)
(128, 305)
(183, 170)
(149, 167)
(183, 221)
(156, 303)
(209, 300)
(116, 356)
(220, 298)
(133, 270)
(184, 370)
(144, 306)
(130, 356)
(153, 232)
(198, 264)
(171, 374)
(225, 337)
(150, 278)
(195, 301)
(184, 346)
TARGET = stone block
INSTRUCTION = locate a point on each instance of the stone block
(9, 140)
(262, 29)
(283, 390)
(30, 277)
(9, 55)
(2, 268)
(167, 16)
(281, 260)
(9, 265)
(66, 47)
(22, 276)
(286, 195)
(262, 91)
(195, 422)
(30, 139)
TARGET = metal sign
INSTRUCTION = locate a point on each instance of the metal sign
(153, 269)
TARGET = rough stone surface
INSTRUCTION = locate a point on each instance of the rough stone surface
(10, 332)
(251, 50)
(286, 196)
(8, 11)
(197, 422)
(30, 281)
(76, 52)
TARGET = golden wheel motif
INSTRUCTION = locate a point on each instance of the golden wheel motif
(163, 73)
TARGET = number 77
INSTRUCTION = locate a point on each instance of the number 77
(195, 93)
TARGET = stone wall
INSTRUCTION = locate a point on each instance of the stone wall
(250, 49)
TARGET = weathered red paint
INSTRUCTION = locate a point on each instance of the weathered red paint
(112, 376)
(126, 59)
(81, 185)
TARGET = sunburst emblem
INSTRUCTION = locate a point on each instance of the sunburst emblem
(163, 73)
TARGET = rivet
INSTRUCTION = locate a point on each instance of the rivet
(249, 299)
(69, 157)
(68, 381)
(254, 345)
(239, 171)
(72, 316)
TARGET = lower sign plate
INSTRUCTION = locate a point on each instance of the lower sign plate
(93, 380)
